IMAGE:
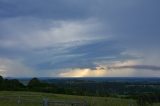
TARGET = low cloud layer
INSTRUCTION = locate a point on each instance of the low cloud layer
(143, 67)
(120, 68)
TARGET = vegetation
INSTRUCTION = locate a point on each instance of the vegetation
(10, 85)
(92, 101)
(141, 94)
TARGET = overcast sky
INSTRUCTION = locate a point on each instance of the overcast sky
(80, 38)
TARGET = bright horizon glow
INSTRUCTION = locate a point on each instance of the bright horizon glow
(98, 72)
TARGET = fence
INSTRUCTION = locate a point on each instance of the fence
(19, 101)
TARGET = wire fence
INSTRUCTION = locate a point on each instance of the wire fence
(19, 101)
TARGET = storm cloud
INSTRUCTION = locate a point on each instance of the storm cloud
(44, 38)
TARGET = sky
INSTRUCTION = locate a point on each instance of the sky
(80, 38)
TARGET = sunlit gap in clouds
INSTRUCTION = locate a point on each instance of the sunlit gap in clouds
(102, 70)
(117, 69)
(87, 72)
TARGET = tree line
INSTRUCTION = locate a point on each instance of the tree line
(81, 88)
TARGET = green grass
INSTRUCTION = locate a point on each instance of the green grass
(92, 101)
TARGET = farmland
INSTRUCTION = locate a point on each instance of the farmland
(37, 98)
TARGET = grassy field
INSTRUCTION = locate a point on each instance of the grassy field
(91, 101)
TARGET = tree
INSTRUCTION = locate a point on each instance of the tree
(34, 83)
(1, 82)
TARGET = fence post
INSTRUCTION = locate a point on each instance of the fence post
(85, 103)
(131, 104)
(72, 104)
(19, 100)
(45, 102)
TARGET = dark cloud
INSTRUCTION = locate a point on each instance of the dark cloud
(85, 56)
(135, 24)
(143, 67)
(49, 9)
(130, 26)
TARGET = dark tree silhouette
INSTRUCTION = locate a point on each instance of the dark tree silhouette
(34, 83)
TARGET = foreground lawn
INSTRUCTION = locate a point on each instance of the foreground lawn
(37, 98)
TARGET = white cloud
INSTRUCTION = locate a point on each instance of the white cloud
(128, 68)
(124, 63)
(34, 33)
(14, 68)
